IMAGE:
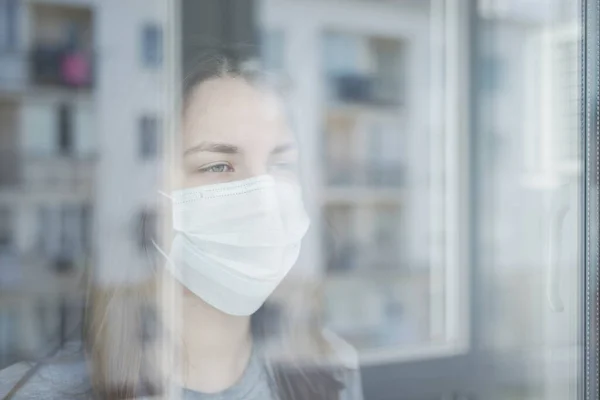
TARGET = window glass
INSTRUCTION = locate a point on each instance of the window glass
(438, 152)
(529, 177)
(446, 195)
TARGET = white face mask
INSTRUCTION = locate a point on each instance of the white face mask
(234, 242)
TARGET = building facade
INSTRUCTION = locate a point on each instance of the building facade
(81, 105)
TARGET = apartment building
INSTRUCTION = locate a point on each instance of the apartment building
(81, 105)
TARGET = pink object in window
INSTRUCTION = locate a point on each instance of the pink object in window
(75, 69)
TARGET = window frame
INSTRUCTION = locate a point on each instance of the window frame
(590, 142)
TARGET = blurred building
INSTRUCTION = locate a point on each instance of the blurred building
(370, 105)
(360, 110)
(80, 124)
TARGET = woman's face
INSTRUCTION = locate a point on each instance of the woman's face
(232, 131)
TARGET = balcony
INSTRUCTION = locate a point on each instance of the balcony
(58, 66)
(59, 172)
(46, 66)
(67, 173)
(62, 37)
(389, 175)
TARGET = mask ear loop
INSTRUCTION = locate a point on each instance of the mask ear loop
(166, 195)
(156, 246)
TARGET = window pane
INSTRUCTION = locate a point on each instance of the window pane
(529, 181)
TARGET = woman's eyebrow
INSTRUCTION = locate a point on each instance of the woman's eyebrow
(212, 147)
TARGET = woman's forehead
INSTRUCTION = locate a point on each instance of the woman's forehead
(232, 109)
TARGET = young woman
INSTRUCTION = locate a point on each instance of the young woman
(201, 327)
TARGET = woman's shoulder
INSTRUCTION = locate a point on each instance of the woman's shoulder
(48, 380)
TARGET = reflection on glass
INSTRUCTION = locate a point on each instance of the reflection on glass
(443, 163)
(530, 188)
(363, 157)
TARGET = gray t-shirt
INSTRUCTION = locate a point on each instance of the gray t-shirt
(254, 384)
(66, 378)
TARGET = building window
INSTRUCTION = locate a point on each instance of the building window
(65, 129)
(71, 230)
(8, 24)
(6, 234)
(86, 228)
(363, 69)
(387, 56)
(152, 45)
(148, 131)
(63, 230)
(45, 231)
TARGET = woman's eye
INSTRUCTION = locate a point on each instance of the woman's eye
(218, 168)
